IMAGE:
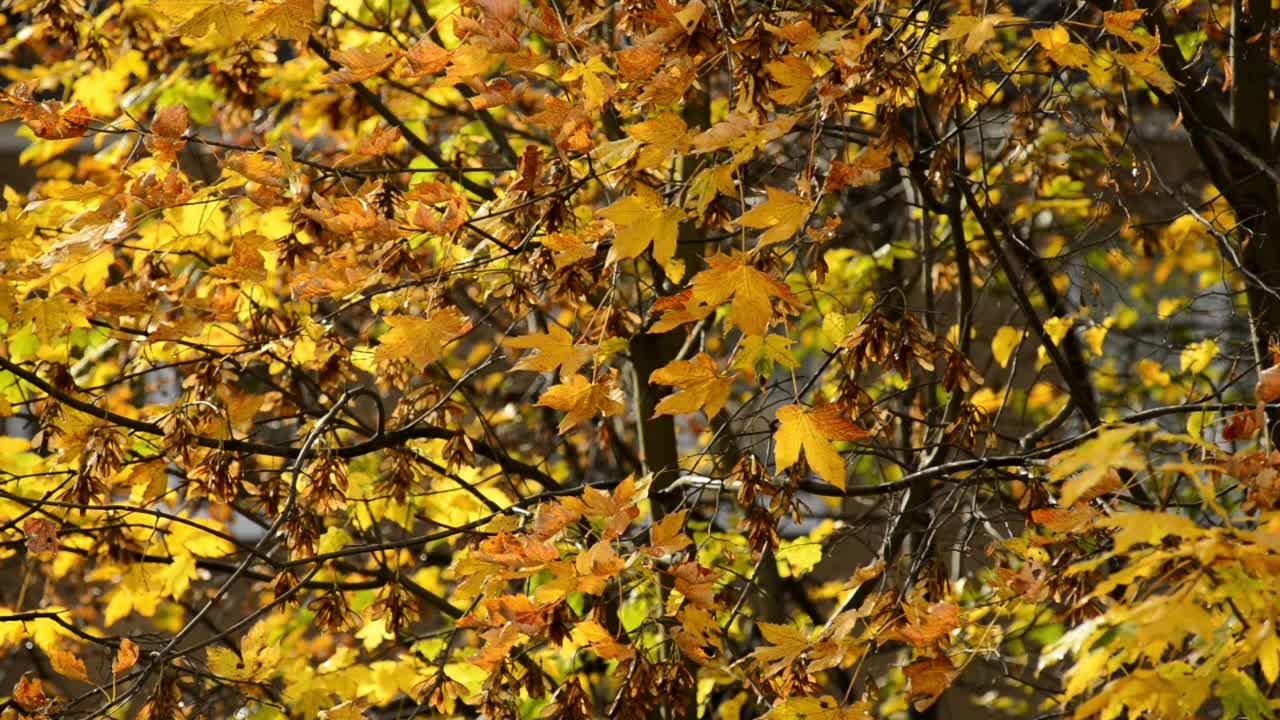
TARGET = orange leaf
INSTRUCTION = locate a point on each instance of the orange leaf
(696, 583)
(126, 657)
(667, 536)
(928, 679)
(1268, 389)
(66, 664)
(29, 693)
(360, 64)
(924, 626)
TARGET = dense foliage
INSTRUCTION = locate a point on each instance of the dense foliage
(640, 359)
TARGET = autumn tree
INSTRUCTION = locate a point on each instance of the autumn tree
(644, 359)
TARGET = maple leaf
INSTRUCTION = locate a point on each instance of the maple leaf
(701, 386)
(640, 221)
(1196, 357)
(1057, 42)
(1094, 463)
(923, 626)
(742, 133)
(751, 291)
(360, 64)
(582, 399)
(667, 536)
(662, 136)
(813, 431)
(421, 341)
(783, 213)
(66, 664)
(168, 127)
(1146, 66)
(29, 693)
(617, 509)
(975, 31)
(864, 170)
(42, 534)
(1268, 387)
(292, 19)
(257, 660)
(759, 353)
(228, 19)
(928, 679)
(555, 348)
(817, 708)
(793, 77)
(426, 58)
(379, 143)
(786, 644)
(592, 634)
(1121, 22)
(596, 567)
(1074, 519)
(126, 657)
(696, 583)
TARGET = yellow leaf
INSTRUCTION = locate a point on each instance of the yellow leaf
(813, 431)
(662, 135)
(793, 77)
(582, 399)
(1146, 66)
(291, 19)
(782, 212)
(1057, 42)
(786, 644)
(1004, 343)
(801, 707)
(1141, 527)
(1269, 654)
(975, 31)
(642, 220)
(555, 348)
(727, 277)
(1197, 356)
(759, 353)
(701, 386)
(333, 539)
(1094, 337)
(592, 634)
(1089, 464)
(226, 18)
(1121, 22)
(1057, 328)
(421, 341)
